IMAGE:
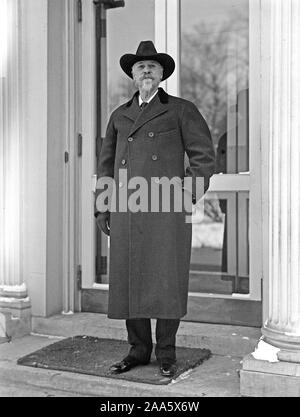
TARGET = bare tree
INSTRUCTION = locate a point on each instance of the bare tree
(211, 61)
(120, 93)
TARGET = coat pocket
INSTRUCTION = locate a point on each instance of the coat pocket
(170, 142)
(167, 132)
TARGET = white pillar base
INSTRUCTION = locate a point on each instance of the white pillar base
(288, 343)
(15, 312)
(261, 378)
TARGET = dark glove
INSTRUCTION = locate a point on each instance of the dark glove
(103, 221)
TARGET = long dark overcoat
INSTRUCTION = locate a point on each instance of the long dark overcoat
(150, 251)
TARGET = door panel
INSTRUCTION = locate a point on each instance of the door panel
(210, 39)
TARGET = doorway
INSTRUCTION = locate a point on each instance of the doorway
(216, 68)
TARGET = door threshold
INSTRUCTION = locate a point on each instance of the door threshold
(225, 340)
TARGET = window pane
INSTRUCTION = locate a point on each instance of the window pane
(214, 74)
(220, 247)
(209, 236)
(126, 27)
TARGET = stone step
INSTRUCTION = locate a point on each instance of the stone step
(216, 377)
(220, 339)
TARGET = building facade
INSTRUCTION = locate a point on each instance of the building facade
(238, 61)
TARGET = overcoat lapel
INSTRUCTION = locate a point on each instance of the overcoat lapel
(155, 108)
(132, 109)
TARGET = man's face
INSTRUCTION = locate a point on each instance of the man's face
(147, 75)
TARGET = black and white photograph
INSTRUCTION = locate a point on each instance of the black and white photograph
(149, 201)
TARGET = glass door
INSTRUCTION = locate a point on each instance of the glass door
(114, 86)
(212, 44)
(214, 74)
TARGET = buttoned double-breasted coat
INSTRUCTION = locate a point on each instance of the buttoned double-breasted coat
(150, 251)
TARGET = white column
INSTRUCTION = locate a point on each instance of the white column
(273, 369)
(10, 148)
(282, 327)
(13, 293)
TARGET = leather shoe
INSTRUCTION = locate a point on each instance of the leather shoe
(125, 365)
(167, 369)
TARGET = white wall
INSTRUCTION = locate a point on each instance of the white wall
(43, 45)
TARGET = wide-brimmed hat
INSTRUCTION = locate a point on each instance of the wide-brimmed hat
(147, 51)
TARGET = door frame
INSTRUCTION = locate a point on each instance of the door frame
(167, 23)
(88, 180)
(71, 209)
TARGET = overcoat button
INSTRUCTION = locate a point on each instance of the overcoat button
(130, 139)
(123, 162)
(150, 134)
(154, 157)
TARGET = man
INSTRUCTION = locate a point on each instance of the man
(150, 251)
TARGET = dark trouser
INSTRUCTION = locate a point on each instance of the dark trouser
(140, 339)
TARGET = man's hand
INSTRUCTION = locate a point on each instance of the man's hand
(103, 222)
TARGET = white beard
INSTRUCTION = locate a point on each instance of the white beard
(147, 88)
(146, 85)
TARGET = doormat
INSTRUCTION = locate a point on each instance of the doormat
(93, 356)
